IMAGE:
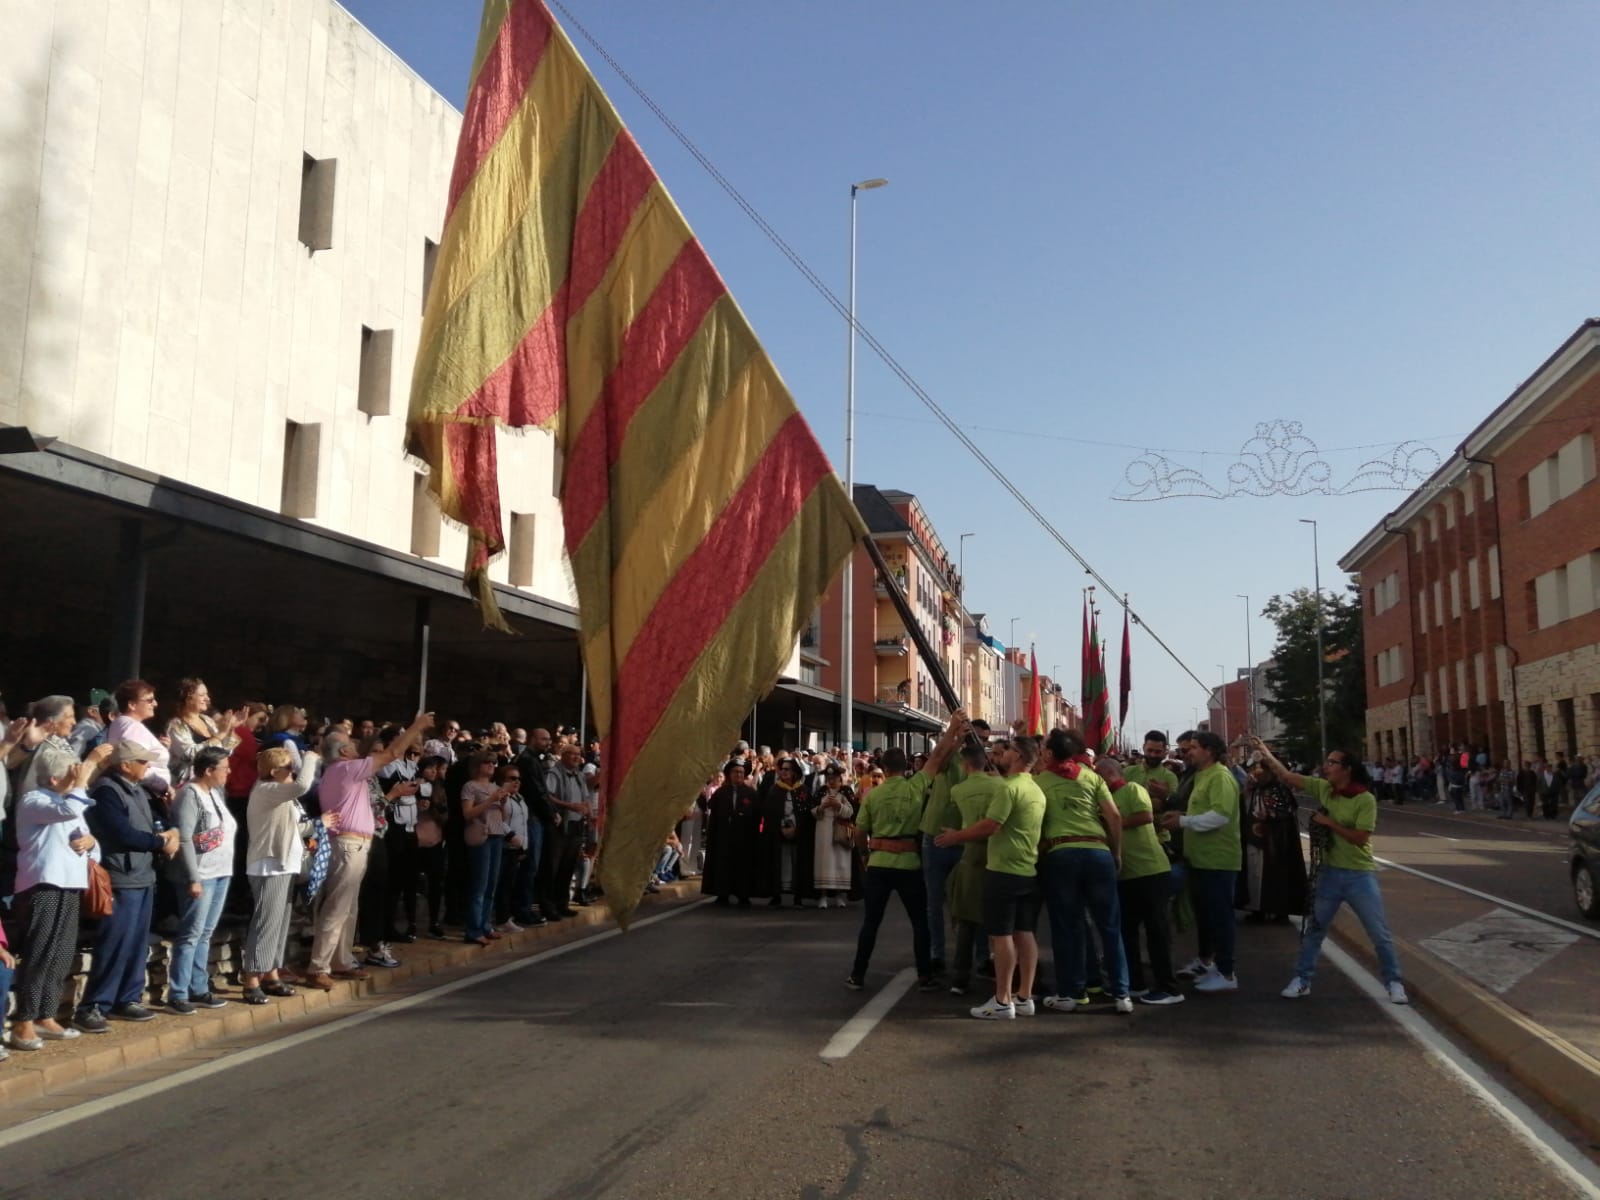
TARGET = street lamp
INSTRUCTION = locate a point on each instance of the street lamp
(961, 606)
(1322, 696)
(847, 608)
(1250, 665)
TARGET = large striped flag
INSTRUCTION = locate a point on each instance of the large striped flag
(702, 520)
(1035, 717)
(1097, 699)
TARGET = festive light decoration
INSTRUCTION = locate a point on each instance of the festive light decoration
(1280, 460)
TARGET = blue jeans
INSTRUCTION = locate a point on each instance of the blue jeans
(121, 947)
(189, 970)
(937, 863)
(1081, 883)
(1213, 912)
(1358, 889)
(483, 872)
(5, 989)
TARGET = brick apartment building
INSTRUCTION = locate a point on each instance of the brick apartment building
(1481, 592)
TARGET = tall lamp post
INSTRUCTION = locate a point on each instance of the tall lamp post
(847, 608)
(1250, 665)
(1222, 700)
(961, 605)
(1322, 693)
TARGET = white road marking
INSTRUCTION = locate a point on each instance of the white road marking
(855, 1030)
(1528, 1127)
(1499, 948)
(1585, 930)
(694, 1004)
(1440, 836)
(105, 1104)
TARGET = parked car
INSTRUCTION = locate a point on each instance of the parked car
(1584, 862)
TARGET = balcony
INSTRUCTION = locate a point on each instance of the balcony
(882, 588)
(894, 697)
(891, 647)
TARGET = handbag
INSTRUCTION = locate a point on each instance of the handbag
(98, 896)
(844, 833)
(208, 839)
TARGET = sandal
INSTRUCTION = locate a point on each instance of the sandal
(255, 995)
(275, 987)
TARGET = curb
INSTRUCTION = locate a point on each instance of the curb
(28, 1077)
(1552, 1067)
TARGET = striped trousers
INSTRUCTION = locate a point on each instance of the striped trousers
(49, 918)
(268, 939)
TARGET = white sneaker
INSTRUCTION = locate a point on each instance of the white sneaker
(1193, 969)
(1063, 1003)
(993, 1010)
(1216, 981)
(822, 903)
(1397, 993)
(1124, 1004)
(1024, 1007)
(1297, 988)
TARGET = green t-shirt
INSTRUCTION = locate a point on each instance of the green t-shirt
(893, 809)
(1141, 774)
(1072, 808)
(1214, 849)
(1019, 807)
(1353, 812)
(971, 798)
(939, 815)
(1142, 854)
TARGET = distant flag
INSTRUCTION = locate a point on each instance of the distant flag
(702, 520)
(1035, 698)
(1097, 702)
(1124, 674)
(1085, 661)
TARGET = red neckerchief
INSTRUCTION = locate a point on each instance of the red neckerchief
(1351, 789)
(1071, 768)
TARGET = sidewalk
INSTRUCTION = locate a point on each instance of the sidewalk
(1520, 989)
(28, 1078)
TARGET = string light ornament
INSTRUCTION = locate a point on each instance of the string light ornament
(1280, 460)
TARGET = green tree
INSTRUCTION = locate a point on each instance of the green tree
(1292, 678)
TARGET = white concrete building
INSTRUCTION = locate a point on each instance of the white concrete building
(220, 218)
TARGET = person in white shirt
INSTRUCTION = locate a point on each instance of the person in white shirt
(514, 898)
(278, 829)
(206, 830)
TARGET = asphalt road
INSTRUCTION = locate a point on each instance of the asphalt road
(683, 1061)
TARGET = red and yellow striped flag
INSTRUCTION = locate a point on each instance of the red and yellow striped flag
(702, 520)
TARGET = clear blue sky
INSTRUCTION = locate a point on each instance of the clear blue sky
(1147, 224)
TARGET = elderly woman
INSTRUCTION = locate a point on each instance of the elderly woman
(831, 856)
(193, 729)
(53, 852)
(278, 828)
(1272, 877)
(206, 830)
(52, 721)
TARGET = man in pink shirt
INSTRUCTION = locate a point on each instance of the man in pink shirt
(344, 790)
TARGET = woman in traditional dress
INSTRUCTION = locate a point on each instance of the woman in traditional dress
(831, 857)
(1272, 885)
(780, 794)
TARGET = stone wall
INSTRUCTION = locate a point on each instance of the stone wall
(1574, 676)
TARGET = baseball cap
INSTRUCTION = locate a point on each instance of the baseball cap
(127, 752)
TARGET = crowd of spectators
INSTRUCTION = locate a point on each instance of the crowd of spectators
(1467, 779)
(138, 818)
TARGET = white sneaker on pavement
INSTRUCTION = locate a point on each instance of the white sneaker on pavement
(1124, 1004)
(1297, 988)
(1397, 993)
(993, 1010)
(1063, 1003)
(822, 903)
(1216, 981)
(1023, 1006)
(1193, 969)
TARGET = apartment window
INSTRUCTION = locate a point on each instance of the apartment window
(1487, 479)
(316, 202)
(1583, 584)
(1494, 572)
(377, 356)
(1450, 512)
(522, 548)
(1566, 711)
(1474, 590)
(1551, 598)
(1467, 489)
(425, 519)
(430, 256)
(301, 451)
(1455, 594)
(1574, 465)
